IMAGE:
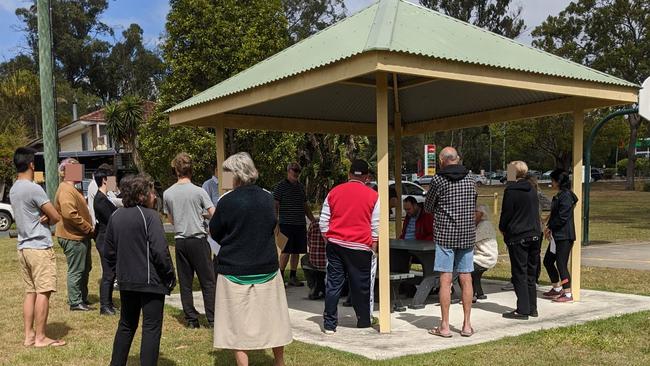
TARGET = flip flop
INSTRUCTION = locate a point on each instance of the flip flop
(54, 343)
(436, 332)
(467, 334)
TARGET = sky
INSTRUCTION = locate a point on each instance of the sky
(151, 18)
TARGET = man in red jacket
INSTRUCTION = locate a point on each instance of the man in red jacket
(418, 224)
(349, 222)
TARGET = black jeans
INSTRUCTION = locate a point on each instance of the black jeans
(194, 255)
(357, 266)
(557, 265)
(477, 274)
(151, 305)
(108, 276)
(524, 259)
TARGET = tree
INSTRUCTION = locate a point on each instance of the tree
(123, 121)
(609, 35)
(306, 17)
(497, 16)
(77, 49)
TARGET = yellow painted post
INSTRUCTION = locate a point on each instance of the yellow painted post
(382, 187)
(496, 204)
(221, 153)
(578, 177)
(398, 173)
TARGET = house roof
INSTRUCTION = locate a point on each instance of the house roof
(402, 27)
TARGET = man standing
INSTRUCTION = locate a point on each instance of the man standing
(74, 232)
(34, 213)
(350, 223)
(104, 208)
(187, 207)
(452, 199)
(211, 186)
(291, 207)
(418, 224)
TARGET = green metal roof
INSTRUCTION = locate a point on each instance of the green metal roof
(400, 26)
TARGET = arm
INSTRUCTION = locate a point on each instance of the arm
(70, 212)
(160, 256)
(564, 213)
(432, 198)
(506, 212)
(167, 209)
(325, 213)
(374, 226)
(309, 214)
(207, 204)
(110, 249)
(103, 210)
(50, 214)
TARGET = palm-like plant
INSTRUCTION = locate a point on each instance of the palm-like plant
(123, 120)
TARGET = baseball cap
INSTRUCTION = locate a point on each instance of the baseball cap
(359, 167)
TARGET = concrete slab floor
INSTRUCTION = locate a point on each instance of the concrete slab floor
(409, 334)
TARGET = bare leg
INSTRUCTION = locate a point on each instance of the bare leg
(41, 311)
(241, 357)
(445, 301)
(468, 291)
(28, 317)
(278, 354)
(294, 261)
(284, 259)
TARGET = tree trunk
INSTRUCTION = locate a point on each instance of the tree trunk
(135, 156)
(635, 122)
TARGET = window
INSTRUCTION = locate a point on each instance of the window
(84, 141)
(411, 189)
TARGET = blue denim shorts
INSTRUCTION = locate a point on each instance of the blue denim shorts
(454, 260)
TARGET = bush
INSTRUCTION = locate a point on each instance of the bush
(646, 187)
(608, 173)
(641, 167)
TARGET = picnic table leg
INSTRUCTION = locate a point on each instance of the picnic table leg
(429, 279)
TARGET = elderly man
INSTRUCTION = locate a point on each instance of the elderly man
(418, 224)
(452, 198)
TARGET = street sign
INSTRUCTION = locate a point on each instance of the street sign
(430, 159)
(644, 99)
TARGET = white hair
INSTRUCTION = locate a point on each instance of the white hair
(449, 154)
(485, 211)
(242, 167)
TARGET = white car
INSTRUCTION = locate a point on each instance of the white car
(408, 189)
(6, 216)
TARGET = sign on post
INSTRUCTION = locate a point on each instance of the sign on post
(430, 159)
(644, 99)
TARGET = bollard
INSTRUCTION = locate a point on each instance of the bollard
(496, 203)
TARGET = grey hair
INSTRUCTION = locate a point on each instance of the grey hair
(485, 211)
(449, 154)
(242, 167)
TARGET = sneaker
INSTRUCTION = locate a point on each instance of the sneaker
(553, 294)
(534, 314)
(515, 315)
(293, 281)
(482, 297)
(563, 298)
(329, 331)
(80, 307)
(508, 287)
(107, 310)
(193, 325)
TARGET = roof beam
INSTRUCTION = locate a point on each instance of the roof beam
(435, 68)
(343, 70)
(535, 110)
(415, 83)
(284, 124)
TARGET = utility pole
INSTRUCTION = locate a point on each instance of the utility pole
(50, 132)
(504, 146)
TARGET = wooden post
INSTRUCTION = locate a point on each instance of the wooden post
(398, 173)
(496, 205)
(221, 153)
(578, 177)
(382, 187)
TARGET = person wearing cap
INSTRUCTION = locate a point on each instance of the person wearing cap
(74, 232)
(349, 222)
(291, 207)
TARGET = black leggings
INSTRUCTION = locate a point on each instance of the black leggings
(151, 307)
(476, 280)
(557, 265)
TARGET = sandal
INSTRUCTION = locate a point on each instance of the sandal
(467, 334)
(54, 343)
(436, 332)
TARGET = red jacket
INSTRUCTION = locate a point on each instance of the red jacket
(350, 216)
(423, 226)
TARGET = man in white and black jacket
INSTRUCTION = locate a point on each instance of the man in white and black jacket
(522, 231)
(452, 199)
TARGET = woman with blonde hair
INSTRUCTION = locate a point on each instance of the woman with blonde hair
(251, 311)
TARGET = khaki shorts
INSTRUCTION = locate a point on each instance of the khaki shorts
(38, 267)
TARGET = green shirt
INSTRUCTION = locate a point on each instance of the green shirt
(251, 279)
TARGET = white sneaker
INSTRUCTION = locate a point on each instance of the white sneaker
(329, 331)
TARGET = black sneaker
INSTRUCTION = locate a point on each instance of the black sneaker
(193, 325)
(534, 314)
(293, 281)
(515, 315)
(107, 310)
(80, 307)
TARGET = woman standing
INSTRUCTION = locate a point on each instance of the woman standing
(137, 252)
(486, 250)
(251, 309)
(561, 230)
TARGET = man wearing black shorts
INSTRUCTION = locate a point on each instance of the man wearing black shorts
(291, 208)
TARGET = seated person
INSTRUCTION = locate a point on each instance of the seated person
(485, 249)
(314, 263)
(418, 224)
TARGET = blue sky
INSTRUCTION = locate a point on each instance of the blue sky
(150, 14)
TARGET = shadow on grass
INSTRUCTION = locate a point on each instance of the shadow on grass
(227, 357)
(162, 361)
(57, 330)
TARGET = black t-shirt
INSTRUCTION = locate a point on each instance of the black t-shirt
(292, 200)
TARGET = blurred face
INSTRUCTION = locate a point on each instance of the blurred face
(150, 200)
(292, 176)
(555, 184)
(411, 209)
(478, 216)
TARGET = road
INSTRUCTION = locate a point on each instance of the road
(631, 255)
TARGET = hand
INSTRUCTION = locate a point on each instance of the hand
(375, 247)
(171, 284)
(44, 219)
(276, 231)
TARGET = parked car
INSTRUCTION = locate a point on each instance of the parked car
(408, 189)
(597, 174)
(6, 216)
(424, 180)
(480, 179)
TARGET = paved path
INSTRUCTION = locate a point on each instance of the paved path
(631, 255)
(409, 335)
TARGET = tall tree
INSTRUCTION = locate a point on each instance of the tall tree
(612, 36)
(306, 17)
(77, 49)
(123, 121)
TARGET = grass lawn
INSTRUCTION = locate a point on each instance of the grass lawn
(618, 341)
